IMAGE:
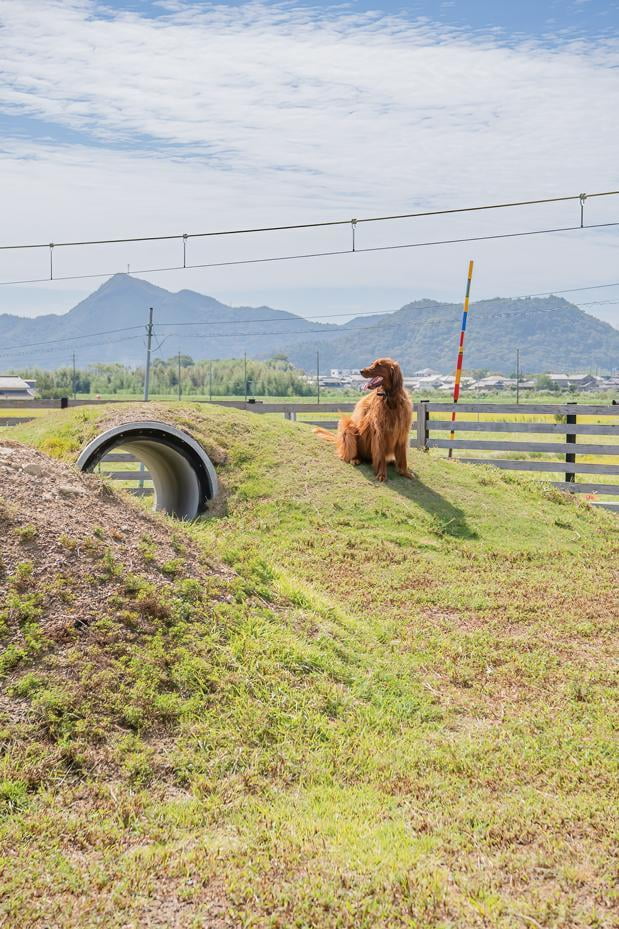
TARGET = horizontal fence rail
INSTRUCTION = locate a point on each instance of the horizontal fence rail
(541, 428)
(574, 488)
(500, 446)
(546, 409)
(15, 420)
(253, 406)
(534, 464)
(133, 479)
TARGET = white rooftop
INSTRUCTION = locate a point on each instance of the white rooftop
(12, 382)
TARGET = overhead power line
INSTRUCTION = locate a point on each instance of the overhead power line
(582, 197)
(72, 338)
(61, 348)
(305, 255)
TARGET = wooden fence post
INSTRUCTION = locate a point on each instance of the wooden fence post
(570, 457)
(422, 425)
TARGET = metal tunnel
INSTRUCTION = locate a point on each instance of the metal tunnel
(183, 475)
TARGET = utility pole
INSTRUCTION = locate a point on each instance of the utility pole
(180, 391)
(149, 342)
(210, 382)
(317, 377)
(73, 378)
(245, 375)
(517, 375)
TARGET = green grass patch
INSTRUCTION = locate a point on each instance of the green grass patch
(398, 710)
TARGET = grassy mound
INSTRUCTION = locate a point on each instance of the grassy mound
(392, 707)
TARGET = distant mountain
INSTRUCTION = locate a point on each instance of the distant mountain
(551, 333)
(185, 321)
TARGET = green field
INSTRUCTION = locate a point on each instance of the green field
(377, 705)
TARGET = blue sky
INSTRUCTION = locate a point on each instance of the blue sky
(129, 118)
(527, 17)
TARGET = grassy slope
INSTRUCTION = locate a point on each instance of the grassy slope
(403, 716)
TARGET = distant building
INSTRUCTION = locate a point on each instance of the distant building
(13, 387)
(425, 372)
(341, 373)
(607, 383)
(494, 382)
(423, 382)
(571, 380)
(579, 381)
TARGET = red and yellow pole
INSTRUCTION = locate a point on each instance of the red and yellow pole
(458, 378)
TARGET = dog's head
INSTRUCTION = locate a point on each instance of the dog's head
(384, 373)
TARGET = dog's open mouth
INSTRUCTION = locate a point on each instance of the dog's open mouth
(374, 383)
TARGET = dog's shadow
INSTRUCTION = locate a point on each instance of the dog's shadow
(449, 520)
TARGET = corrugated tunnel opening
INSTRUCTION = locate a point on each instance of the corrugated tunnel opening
(183, 477)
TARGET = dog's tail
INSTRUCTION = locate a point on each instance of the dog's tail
(326, 435)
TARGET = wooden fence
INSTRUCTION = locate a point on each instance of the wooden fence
(123, 466)
(487, 433)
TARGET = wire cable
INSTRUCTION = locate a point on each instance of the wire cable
(305, 255)
(86, 335)
(58, 348)
(334, 222)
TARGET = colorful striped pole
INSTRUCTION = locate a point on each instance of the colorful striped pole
(465, 314)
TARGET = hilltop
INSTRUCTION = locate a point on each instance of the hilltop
(551, 333)
(336, 703)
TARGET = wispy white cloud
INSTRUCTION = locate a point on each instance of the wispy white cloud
(218, 115)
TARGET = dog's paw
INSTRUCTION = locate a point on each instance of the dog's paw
(381, 477)
(355, 461)
(408, 473)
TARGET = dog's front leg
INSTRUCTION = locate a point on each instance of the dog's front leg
(379, 459)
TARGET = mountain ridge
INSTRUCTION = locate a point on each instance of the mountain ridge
(550, 332)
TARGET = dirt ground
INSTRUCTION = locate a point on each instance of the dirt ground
(69, 532)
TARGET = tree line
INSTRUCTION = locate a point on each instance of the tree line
(275, 377)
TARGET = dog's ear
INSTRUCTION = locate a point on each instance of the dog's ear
(397, 381)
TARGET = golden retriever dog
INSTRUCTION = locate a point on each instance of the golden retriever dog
(378, 430)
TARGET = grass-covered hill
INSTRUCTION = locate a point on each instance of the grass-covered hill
(332, 704)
